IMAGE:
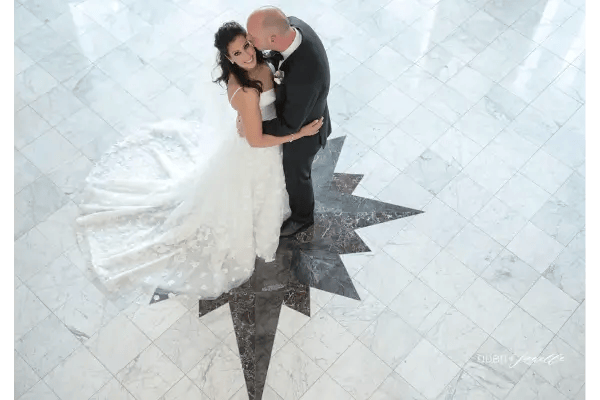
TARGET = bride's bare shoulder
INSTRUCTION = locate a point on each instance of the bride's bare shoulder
(242, 98)
(232, 86)
(236, 93)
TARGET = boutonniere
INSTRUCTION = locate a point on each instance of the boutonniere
(278, 77)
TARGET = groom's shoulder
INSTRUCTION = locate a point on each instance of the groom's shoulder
(295, 20)
(304, 27)
(311, 42)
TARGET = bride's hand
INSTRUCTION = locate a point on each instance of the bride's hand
(312, 128)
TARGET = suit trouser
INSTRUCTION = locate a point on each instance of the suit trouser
(298, 157)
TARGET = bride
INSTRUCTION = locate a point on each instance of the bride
(186, 207)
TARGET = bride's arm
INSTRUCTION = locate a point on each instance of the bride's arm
(246, 103)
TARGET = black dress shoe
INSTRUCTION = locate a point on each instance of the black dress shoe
(290, 227)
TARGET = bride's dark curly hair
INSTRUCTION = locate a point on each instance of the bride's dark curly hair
(226, 34)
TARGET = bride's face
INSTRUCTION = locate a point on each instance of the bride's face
(242, 52)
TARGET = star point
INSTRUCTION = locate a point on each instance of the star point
(308, 259)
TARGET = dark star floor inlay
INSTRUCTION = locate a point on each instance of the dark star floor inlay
(309, 259)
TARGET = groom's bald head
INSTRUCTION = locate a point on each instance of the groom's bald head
(270, 19)
(267, 27)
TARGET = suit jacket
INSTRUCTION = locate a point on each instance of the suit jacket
(302, 96)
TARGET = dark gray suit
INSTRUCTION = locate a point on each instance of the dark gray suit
(302, 98)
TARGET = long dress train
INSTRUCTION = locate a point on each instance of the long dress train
(184, 207)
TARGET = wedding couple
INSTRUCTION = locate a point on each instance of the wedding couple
(187, 207)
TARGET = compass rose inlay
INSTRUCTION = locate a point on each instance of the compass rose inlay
(308, 259)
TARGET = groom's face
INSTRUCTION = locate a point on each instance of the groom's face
(258, 37)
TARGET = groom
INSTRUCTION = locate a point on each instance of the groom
(301, 97)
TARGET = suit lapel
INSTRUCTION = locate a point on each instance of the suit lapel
(285, 65)
(302, 44)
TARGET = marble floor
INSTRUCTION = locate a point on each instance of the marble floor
(471, 111)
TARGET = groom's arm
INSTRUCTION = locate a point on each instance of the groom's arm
(301, 95)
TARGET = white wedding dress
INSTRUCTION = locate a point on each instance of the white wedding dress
(183, 206)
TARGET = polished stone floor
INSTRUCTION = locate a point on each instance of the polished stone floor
(471, 111)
